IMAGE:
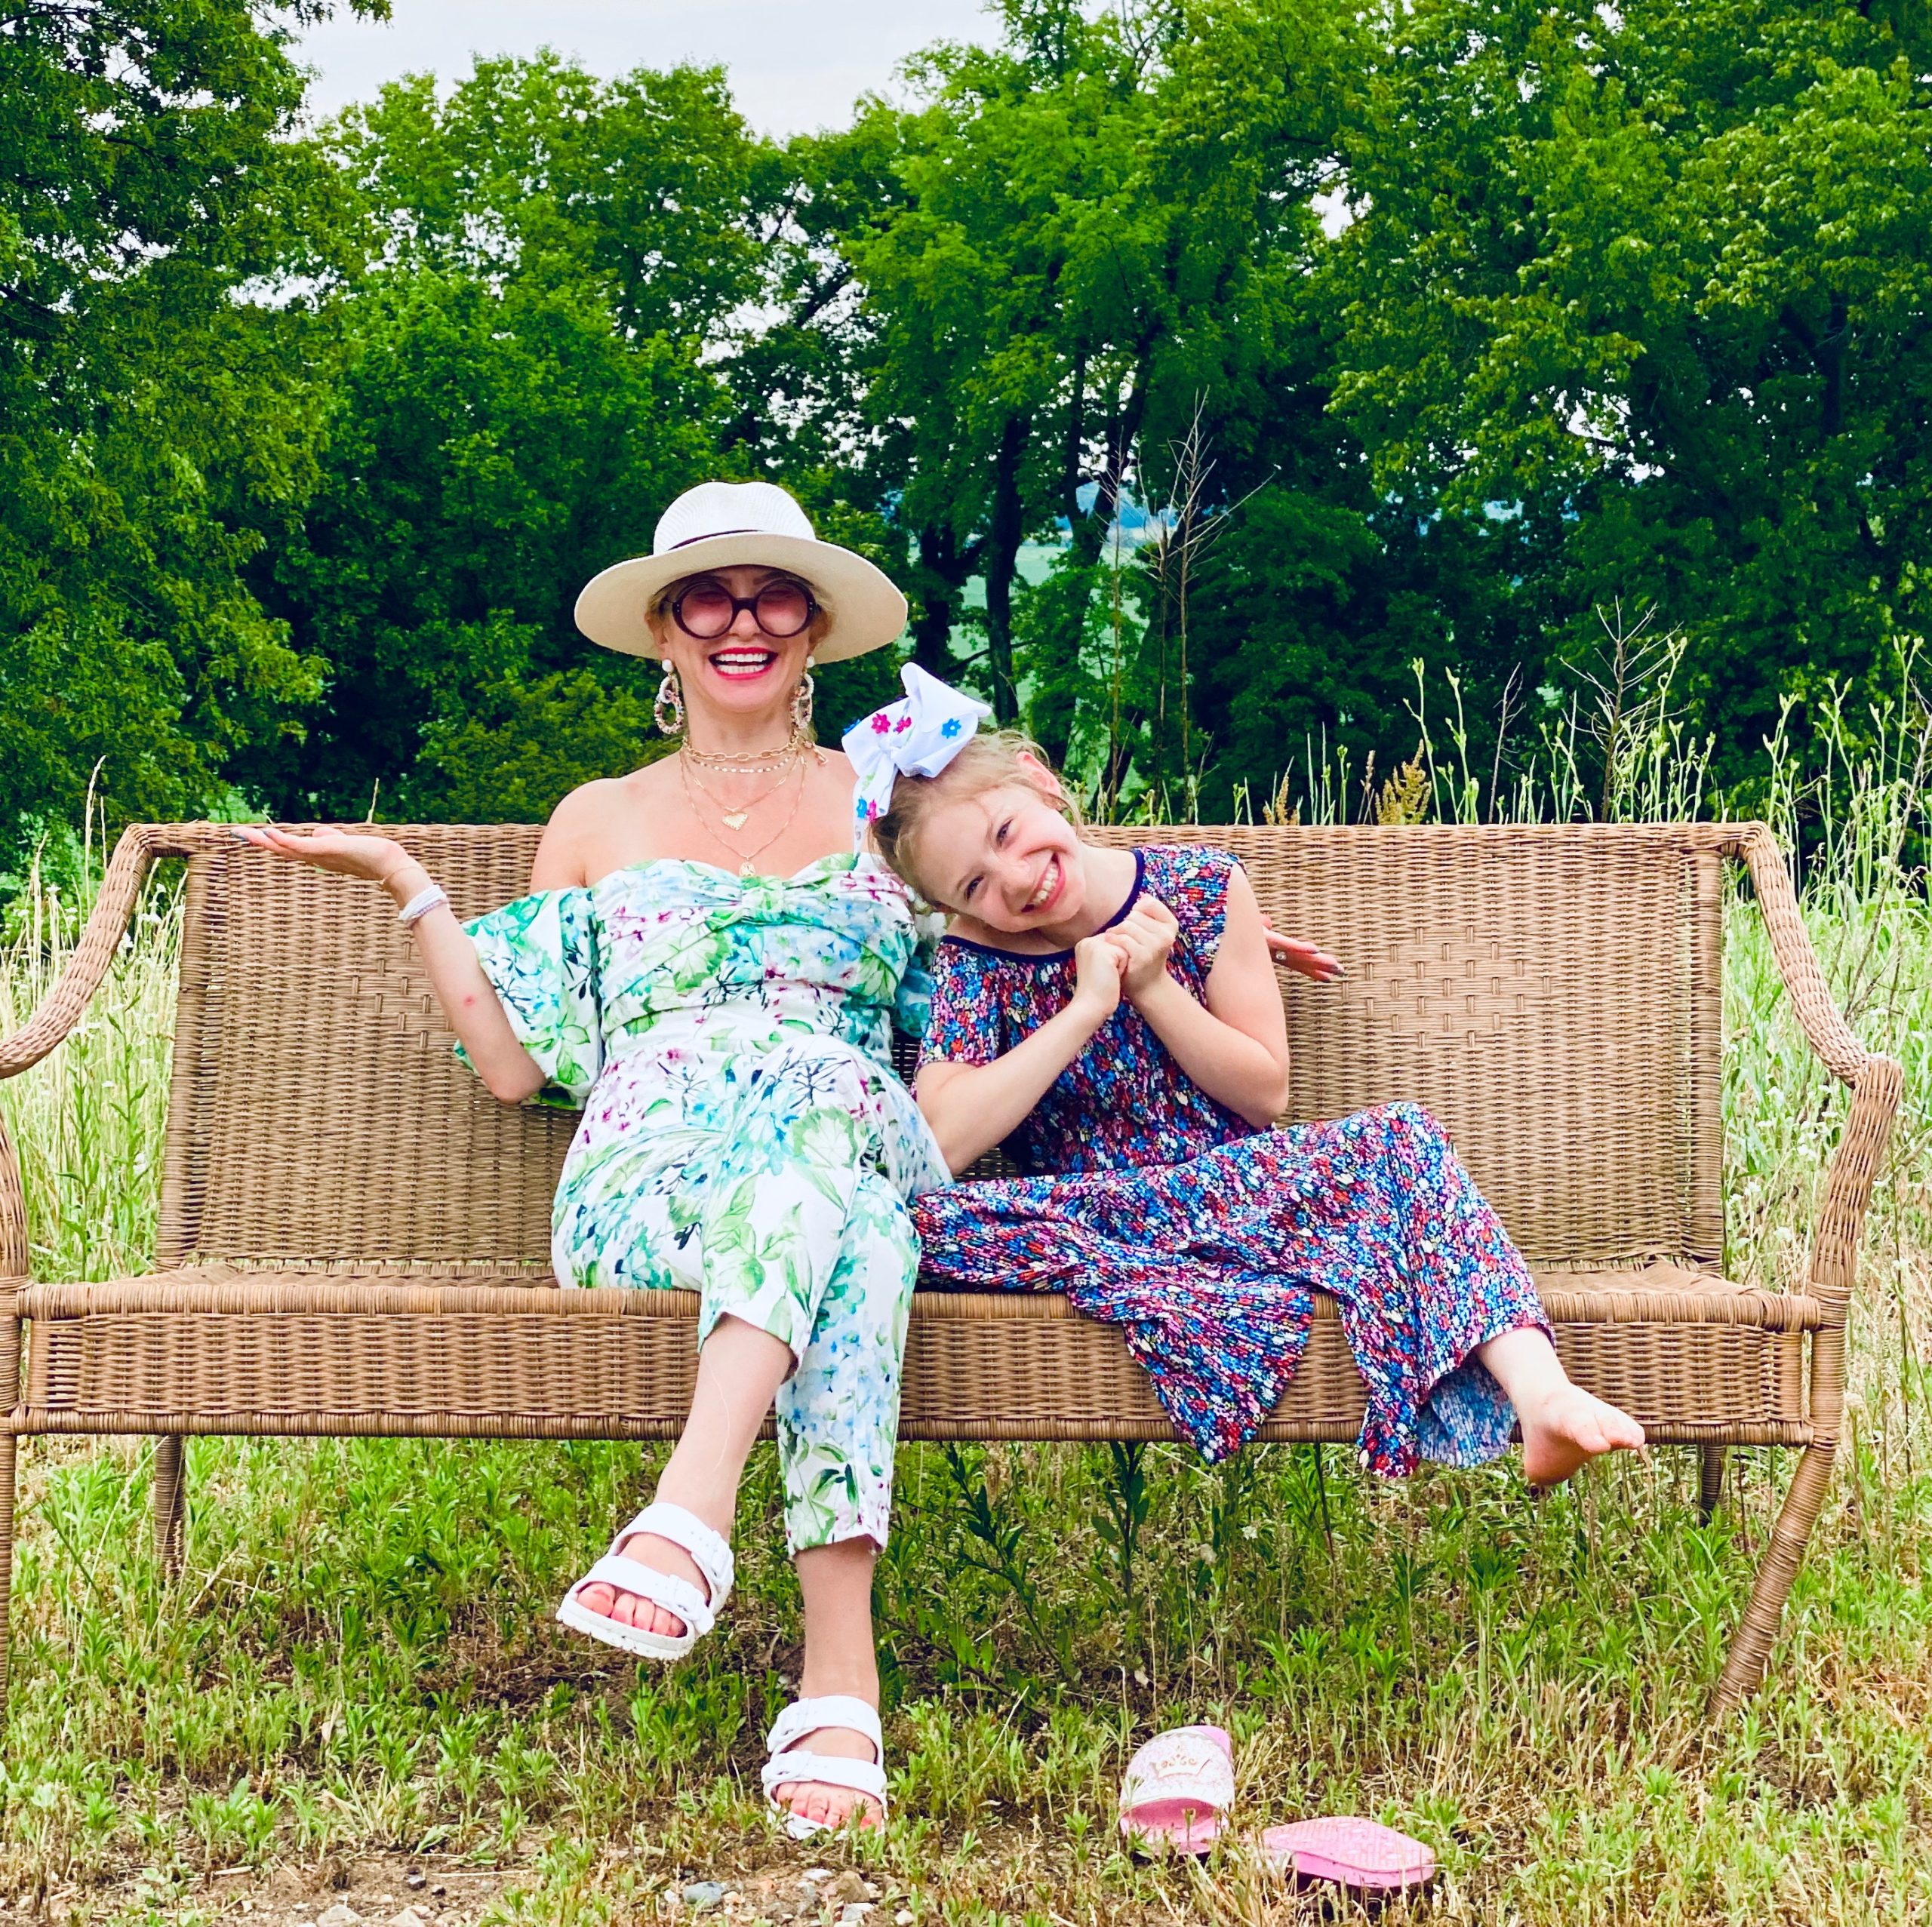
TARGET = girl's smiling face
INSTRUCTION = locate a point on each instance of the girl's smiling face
(1005, 859)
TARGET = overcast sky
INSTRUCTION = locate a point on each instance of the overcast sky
(794, 64)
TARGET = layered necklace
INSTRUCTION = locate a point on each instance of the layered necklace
(778, 764)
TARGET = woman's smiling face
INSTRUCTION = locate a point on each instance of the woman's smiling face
(744, 670)
(1005, 857)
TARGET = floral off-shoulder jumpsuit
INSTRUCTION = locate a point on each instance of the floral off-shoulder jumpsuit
(728, 1039)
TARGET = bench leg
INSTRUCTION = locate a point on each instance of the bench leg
(1751, 1650)
(170, 1484)
(1710, 1481)
(10, 1447)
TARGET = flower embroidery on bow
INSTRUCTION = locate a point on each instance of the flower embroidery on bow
(918, 735)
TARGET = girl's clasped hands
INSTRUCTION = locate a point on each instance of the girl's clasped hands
(1127, 960)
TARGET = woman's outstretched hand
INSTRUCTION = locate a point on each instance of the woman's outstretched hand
(1307, 960)
(345, 852)
(470, 1003)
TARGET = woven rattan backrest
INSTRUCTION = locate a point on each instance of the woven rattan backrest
(317, 1115)
(1551, 994)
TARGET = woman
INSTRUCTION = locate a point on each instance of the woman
(705, 966)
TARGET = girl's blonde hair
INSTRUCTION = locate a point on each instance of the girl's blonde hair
(990, 760)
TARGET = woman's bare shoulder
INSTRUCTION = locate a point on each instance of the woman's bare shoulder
(567, 856)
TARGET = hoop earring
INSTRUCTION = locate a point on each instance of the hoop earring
(667, 710)
(802, 700)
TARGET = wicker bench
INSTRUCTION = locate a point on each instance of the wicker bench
(354, 1236)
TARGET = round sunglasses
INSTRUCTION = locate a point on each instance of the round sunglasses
(705, 610)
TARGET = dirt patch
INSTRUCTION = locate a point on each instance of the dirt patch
(375, 1889)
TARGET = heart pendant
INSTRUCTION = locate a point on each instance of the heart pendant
(734, 819)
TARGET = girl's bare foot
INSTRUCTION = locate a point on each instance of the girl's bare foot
(1566, 1427)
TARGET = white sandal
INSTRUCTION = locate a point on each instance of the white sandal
(699, 1611)
(825, 1770)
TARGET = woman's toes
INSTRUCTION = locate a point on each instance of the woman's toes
(825, 1806)
(643, 1614)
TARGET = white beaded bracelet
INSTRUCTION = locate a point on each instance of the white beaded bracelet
(420, 905)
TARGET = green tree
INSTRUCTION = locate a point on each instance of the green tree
(1657, 278)
(487, 452)
(159, 416)
(548, 261)
(1092, 230)
(518, 747)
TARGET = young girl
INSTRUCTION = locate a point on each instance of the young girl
(1111, 1016)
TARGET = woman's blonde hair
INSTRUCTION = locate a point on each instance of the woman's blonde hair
(990, 760)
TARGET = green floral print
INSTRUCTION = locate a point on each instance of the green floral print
(728, 1040)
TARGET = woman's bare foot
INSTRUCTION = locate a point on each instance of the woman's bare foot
(661, 1555)
(1566, 1427)
(830, 1806)
(835, 1581)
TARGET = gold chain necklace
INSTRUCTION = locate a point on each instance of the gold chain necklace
(735, 818)
(745, 861)
(754, 763)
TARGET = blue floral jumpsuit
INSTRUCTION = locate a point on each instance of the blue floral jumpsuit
(728, 1039)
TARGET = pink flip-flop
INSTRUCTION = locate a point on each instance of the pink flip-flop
(1361, 1854)
(1178, 1788)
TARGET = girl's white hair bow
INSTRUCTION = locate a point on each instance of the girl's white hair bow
(918, 735)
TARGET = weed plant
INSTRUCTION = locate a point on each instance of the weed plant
(357, 1658)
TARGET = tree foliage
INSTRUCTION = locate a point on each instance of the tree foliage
(159, 424)
(1658, 278)
(1199, 366)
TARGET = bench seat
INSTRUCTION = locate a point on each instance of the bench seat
(212, 1349)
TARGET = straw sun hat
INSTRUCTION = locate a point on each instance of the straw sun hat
(718, 524)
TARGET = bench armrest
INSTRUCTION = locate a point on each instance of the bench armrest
(106, 924)
(120, 890)
(1825, 1027)
(1876, 1081)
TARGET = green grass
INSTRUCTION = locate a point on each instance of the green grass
(356, 1672)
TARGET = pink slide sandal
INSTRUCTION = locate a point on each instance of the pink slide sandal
(1178, 1788)
(1361, 1854)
